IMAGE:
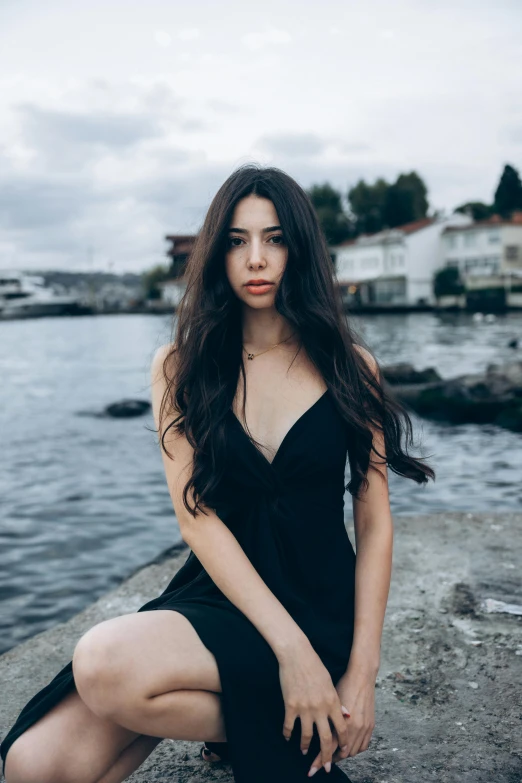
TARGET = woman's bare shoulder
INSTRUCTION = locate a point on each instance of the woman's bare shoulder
(367, 356)
(168, 350)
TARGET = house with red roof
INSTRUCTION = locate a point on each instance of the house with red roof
(395, 266)
(485, 249)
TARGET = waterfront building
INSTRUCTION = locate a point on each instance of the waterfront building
(395, 266)
(488, 255)
(180, 248)
(487, 248)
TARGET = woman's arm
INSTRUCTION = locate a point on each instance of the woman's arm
(214, 544)
(373, 526)
(374, 539)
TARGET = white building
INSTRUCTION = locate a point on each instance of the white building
(489, 248)
(172, 290)
(394, 266)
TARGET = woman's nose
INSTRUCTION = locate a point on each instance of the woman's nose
(256, 254)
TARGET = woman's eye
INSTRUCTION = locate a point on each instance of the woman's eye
(232, 240)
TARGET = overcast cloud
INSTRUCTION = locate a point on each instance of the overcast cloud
(119, 120)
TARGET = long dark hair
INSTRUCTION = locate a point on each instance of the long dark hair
(206, 349)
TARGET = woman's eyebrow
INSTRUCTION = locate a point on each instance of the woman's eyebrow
(264, 230)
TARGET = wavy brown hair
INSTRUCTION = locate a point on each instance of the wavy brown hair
(207, 341)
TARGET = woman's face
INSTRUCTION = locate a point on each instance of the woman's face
(256, 250)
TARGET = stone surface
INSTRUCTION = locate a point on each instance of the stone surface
(448, 694)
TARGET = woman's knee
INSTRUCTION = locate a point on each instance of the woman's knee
(96, 667)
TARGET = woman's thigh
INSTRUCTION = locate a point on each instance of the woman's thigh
(68, 742)
(141, 655)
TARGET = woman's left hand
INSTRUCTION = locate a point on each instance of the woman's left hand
(356, 693)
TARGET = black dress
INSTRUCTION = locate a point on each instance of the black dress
(288, 516)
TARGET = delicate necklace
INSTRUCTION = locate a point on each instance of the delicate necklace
(253, 355)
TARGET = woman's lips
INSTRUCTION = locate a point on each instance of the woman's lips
(259, 289)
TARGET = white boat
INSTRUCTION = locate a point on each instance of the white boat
(26, 296)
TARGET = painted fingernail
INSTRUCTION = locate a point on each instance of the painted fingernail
(304, 751)
(312, 771)
(328, 766)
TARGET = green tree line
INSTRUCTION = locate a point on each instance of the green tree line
(367, 208)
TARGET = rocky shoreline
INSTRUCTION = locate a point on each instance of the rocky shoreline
(490, 397)
(448, 692)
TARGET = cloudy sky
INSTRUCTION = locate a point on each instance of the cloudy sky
(120, 119)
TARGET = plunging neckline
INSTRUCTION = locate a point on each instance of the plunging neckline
(286, 436)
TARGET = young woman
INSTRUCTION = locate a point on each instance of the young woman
(266, 643)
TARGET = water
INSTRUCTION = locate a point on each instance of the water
(84, 502)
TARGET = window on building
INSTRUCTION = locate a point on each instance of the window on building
(390, 290)
(493, 237)
(451, 241)
(490, 264)
(371, 262)
(512, 252)
(469, 239)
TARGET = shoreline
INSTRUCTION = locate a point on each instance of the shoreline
(349, 309)
(446, 688)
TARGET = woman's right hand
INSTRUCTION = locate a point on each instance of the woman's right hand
(310, 695)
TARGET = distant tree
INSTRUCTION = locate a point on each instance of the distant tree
(151, 278)
(382, 205)
(332, 217)
(406, 200)
(508, 195)
(476, 210)
(367, 205)
(447, 282)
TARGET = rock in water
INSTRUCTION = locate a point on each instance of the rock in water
(493, 396)
(404, 372)
(126, 409)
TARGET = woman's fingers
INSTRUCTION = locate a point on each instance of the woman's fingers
(367, 740)
(307, 731)
(288, 725)
(341, 726)
(338, 754)
(317, 762)
(326, 739)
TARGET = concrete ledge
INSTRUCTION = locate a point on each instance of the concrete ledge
(448, 691)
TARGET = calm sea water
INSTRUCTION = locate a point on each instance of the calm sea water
(83, 501)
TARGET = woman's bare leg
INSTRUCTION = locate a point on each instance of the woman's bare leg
(68, 742)
(72, 742)
(95, 751)
(130, 759)
(150, 673)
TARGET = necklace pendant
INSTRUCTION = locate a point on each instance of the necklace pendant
(250, 355)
